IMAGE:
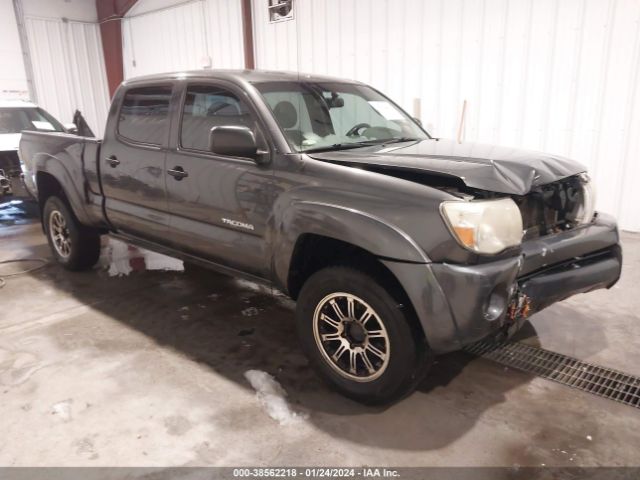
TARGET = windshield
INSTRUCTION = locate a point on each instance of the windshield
(14, 120)
(318, 116)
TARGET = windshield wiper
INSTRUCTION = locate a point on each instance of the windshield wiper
(339, 146)
(401, 139)
(364, 143)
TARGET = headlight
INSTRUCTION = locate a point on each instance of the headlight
(484, 226)
(586, 207)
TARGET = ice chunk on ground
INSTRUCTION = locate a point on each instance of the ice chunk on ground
(62, 410)
(250, 312)
(118, 257)
(271, 396)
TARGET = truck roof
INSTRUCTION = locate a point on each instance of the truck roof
(239, 76)
(16, 104)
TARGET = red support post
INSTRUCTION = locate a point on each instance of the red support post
(247, 35)
(110, 13)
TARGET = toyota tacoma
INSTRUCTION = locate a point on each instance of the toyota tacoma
(396, 246)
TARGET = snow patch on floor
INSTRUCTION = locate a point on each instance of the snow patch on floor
(252, 286)
(121, 259)
(250, 312)
(157, 261)
(62, 410)
(272, 397)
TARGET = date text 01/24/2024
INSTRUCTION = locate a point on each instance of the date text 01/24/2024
(315, 473)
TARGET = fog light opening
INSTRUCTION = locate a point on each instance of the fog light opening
(496, 304)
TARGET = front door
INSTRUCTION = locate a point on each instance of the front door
(132, 164)
(219, 205)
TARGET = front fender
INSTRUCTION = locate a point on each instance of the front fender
(350, 225)
(398, 252)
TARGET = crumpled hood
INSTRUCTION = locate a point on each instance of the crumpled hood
(9, 142)
(485, 167)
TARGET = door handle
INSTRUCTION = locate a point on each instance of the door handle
(178, 173)
(113, 161)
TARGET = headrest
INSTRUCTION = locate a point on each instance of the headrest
(286, 114)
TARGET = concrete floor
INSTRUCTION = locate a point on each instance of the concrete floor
(130, 366)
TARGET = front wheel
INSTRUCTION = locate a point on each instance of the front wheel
(359, 336)
(74, 246)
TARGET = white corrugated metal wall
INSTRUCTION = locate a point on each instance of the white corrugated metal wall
(555, 75)
(190, 35)
(13, 78)
(69, 71)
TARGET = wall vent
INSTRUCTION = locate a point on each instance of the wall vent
(280, 10)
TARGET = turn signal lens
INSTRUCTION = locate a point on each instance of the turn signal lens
(466, 236)
(484, 226)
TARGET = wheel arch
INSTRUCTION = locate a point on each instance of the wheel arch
(309, 229)
(53, 178)
(337, 229)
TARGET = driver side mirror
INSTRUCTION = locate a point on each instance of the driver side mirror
(232, 140)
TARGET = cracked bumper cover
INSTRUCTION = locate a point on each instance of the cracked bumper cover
(460, 304)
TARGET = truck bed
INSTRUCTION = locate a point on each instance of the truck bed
(78, 154)
(69, 157)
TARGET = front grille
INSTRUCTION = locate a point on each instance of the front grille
(601, 381)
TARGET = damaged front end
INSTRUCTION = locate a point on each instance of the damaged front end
(557, 207)
(521, 235)
(566, 249)
(518, 311)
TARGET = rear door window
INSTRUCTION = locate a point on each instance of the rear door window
(144, 115)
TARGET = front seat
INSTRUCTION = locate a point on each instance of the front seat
(287, 117)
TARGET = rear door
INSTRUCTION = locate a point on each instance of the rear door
(132, 163)
(220, 204)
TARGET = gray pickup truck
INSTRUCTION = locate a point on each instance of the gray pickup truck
(397, 246)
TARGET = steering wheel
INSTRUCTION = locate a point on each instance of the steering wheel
(353, 131)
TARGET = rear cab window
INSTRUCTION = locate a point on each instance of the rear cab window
(144, 115)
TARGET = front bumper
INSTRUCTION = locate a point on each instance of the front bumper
(461, 304)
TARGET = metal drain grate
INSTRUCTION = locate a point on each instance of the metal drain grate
(604, 382)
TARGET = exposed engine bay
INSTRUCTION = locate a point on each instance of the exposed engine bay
(554, 207)
(546, 209)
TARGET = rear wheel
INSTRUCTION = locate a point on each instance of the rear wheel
(74, 246)
(359, 336)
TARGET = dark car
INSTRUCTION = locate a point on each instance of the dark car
(397, 246)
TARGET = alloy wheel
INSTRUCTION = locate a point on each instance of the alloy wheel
(60, 234)
(351, 337)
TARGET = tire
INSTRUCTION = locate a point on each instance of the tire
(394, 334)
(74, 246)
